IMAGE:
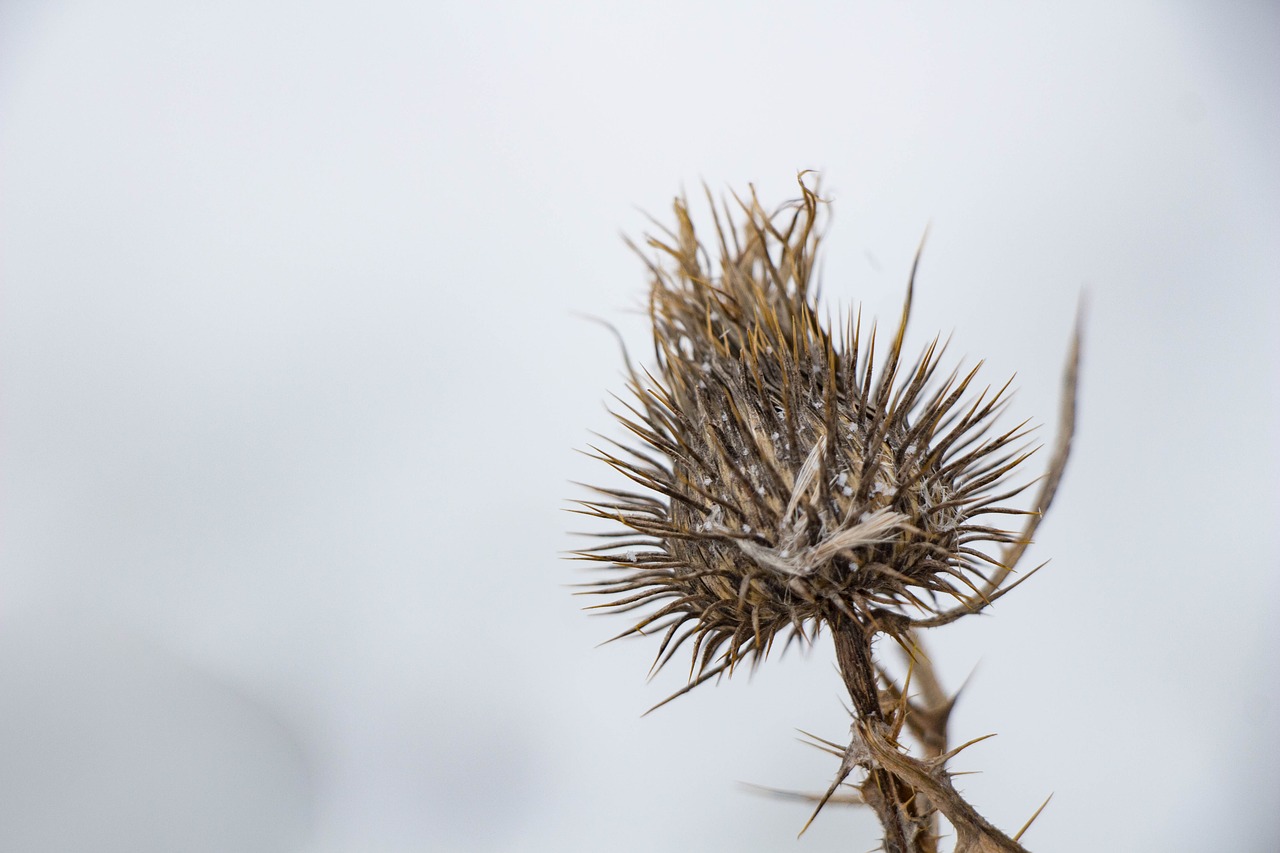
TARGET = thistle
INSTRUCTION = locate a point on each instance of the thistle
(790, 483)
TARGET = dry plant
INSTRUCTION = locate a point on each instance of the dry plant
(788, 483)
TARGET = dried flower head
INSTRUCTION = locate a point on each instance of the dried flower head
(790, 483)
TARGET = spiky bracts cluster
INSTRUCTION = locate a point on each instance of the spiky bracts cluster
(791, 483)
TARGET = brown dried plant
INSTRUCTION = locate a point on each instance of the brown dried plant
(788, 483)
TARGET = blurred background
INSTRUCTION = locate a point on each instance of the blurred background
(293, 367)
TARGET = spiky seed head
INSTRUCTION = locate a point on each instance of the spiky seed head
(786, 480)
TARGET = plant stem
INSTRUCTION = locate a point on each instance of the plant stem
(904, 813)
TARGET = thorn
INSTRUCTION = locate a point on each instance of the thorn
(704, 677)
(950, 754)
(841, 749)
(849, 799)
(1031, 819)
(839, 780)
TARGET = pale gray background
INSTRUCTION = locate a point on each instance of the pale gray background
(292, 377)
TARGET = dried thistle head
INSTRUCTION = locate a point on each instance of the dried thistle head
(788, 481)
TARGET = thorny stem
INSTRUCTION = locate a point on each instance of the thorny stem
(906, 792)
(903, 812)
(853, 654)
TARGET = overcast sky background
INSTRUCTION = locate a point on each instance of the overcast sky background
(292, 374)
